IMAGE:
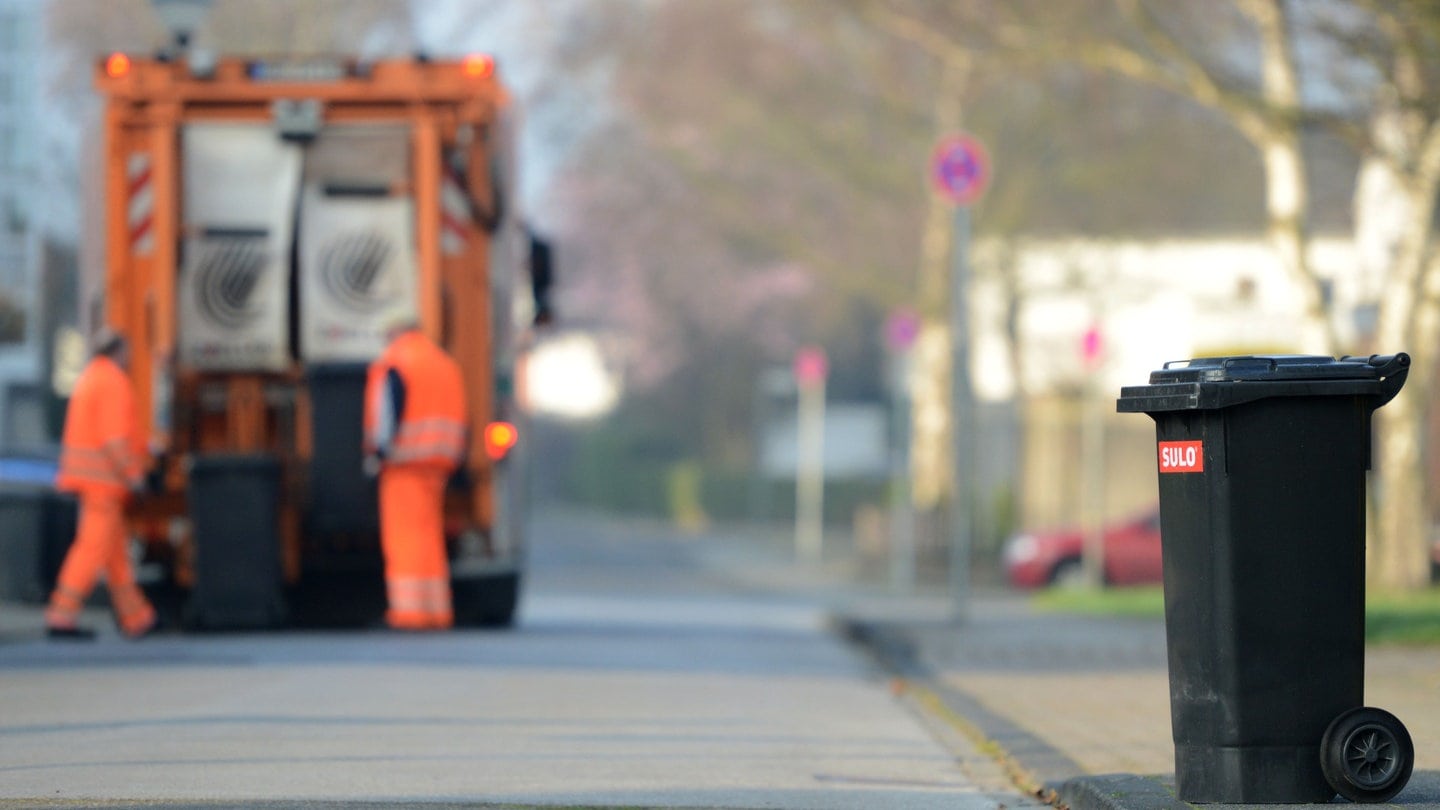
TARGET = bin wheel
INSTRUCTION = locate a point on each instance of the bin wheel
(1366, 755)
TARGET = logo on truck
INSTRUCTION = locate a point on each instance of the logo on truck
(351, 267)
(227, 274)
(1182, 457)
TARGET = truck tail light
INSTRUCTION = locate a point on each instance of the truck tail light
(499, 438)
(117, 65)
(478, 65)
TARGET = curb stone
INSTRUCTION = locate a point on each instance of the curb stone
(1021, 756)
(1028, 761)
(1118, 791)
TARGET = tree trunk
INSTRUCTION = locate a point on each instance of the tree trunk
(1287, 193)
(1399, 548)
(931, 460)
(931, 463)
(1398, 544)
(1287, 199)
(1400, 553)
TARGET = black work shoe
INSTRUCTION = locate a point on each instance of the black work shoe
(70, 633)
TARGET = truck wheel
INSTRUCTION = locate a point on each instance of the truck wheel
(1366, 755)
(487, 601)
(339, 599)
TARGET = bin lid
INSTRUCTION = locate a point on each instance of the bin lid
(346, 371)
(31, 471)
(229, 463)
(1266, 367)
(1220, 382)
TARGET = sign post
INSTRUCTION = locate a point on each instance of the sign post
(960, 170)
(1092, 456)
(901, 330)
(811, 367)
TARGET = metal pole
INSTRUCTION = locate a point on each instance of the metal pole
(962, 417)
(902, 507)
(1092, 484)
(810, 473)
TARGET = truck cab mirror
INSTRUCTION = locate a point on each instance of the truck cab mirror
(542, 277)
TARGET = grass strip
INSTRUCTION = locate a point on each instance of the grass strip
(1391, 617)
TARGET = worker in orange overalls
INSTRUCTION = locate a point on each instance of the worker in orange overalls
(415, 430)
(102, 461)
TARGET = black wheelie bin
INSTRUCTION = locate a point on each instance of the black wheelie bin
(1262, 465)
(234, 506)
(37, 524)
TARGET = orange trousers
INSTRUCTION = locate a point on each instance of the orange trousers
(100, 549)
(412, 537)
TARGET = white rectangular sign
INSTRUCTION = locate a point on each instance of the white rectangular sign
(357, 254)
(357, 271)
(234, 287)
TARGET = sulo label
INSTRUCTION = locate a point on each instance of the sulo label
(1182, 457)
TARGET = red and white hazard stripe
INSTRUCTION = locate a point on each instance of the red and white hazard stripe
(141, 207)
(454, 216)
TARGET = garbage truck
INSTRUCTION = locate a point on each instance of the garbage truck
(263, 220)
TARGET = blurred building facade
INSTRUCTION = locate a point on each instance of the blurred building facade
(1060, 326)
(21, 33)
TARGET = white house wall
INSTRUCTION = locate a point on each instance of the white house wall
(1153, 302)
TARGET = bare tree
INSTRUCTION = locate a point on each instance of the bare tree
(1240, 60)
(1403, 139)
(1400, 142)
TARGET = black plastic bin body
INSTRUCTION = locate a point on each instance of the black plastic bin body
(62, 518)
(235, 511)
(1262, 464)
(37, 525)
(22, 541)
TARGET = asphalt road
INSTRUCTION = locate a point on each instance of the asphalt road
(647, 670)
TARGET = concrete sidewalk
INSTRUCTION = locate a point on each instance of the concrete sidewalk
(1073, 709)
(1077, 708)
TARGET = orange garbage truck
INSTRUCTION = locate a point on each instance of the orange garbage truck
(265, 219)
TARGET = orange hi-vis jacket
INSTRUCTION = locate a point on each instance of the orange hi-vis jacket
(430, 429)
(101, 448)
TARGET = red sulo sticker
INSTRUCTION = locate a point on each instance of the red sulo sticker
(1182, 457)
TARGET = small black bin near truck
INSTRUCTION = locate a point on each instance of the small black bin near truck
(1262, 466)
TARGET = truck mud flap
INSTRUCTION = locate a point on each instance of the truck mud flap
(342, 498)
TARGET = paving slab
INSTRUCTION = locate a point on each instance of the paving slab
(1078, 707)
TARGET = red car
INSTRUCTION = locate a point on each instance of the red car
(1132, 555)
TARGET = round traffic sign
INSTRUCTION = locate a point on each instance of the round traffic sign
(901, 329)
(960, 169)
(1092, 346)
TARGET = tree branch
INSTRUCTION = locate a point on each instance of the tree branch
(915, 31)
(1194, 79)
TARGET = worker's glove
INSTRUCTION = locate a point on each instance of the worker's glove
(371, 465)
